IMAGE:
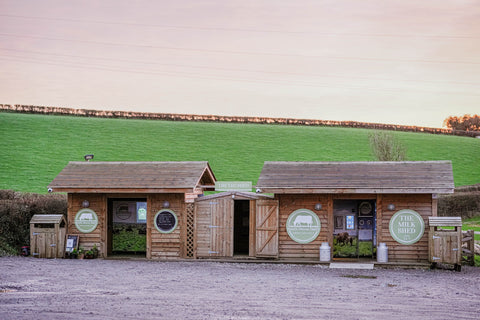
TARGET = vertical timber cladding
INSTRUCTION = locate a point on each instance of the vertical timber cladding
(421, 203)
(97, 203)
(166, 245)
(266, 228)
(214, 227)
(288, 203)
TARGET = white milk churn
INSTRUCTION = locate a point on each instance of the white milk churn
(324, 252)
(382, 252)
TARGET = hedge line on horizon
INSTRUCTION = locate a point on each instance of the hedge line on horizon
(116, 114)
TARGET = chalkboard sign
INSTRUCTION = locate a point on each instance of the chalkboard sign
(165, 221)
(72, 243)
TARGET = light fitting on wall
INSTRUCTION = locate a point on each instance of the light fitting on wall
(166, 204)
(318, 206)
(391, 207)
(88, 157)
(85, 204)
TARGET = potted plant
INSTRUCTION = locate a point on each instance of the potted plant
(81, 253)
(73, 254)
(92, 253)
(95, 251)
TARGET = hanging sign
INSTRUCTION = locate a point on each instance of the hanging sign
(303, 226)
(165, 221)
(141, 212)
(350, 223)
(406, 226)
(86, 220)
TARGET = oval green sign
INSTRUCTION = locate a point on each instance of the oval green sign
(406, 226)
(86, 220)
(303, 226)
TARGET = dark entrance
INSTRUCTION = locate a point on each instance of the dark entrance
(241, 227)
(127, 226)
(354, 233)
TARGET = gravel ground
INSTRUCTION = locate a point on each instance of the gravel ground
(125, 289)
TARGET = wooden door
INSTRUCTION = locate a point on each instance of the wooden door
(50, 245)
(44, 244)
(221, 228)
(266, 228)
(445, 247)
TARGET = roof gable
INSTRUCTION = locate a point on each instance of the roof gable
(357, 177)
(147, 176)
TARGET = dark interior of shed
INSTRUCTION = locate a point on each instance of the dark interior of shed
(241, 226)
(127, 226)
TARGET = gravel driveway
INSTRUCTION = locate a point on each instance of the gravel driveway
(124, 289)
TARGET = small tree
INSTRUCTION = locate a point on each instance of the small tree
(464, 123)
(386, 147)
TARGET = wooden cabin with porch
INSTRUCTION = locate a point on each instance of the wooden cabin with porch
(353, 206)
(150, 199)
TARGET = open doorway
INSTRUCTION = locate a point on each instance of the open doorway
(241, 227)
(354, 233)
(127, 227)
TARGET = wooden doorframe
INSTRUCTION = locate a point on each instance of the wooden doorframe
(251, 247)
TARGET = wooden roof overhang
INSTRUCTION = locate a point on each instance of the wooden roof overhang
(236, 195)
(406, 177)
(134, 177)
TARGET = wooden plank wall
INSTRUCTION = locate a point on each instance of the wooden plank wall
(98, 203)
(291, 202)
(165, 245)
(215, 241)
(421, 203)
(202, 230)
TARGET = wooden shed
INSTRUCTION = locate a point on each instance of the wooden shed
(47, 235)
(151, 202)
(354, 206)
(230, 223)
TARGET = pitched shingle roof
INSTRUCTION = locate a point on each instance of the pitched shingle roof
(133, 175)
(357, 177)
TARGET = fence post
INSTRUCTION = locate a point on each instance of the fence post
(469, 250)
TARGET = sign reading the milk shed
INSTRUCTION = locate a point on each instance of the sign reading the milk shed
(166, 221)
(406, 226)
(303, 226)
(233, 186)
(86, 220)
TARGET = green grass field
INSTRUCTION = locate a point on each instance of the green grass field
(35, 148)
(472, 224)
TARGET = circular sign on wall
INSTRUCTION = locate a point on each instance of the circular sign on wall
(123, 211)
(86, 220)
(165, 221)
(303, 226)
(406, 226)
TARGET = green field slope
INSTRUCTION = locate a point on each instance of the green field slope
(35, 148)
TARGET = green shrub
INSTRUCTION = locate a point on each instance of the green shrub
(129, 238)
(16, 211)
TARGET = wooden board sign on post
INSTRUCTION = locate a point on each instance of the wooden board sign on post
(241, 186)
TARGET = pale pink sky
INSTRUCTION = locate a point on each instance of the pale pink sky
(402, 62)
